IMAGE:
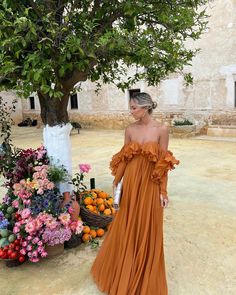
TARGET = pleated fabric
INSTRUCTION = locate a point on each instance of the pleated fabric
(131, 258)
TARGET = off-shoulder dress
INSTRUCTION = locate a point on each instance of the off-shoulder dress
(131, 258)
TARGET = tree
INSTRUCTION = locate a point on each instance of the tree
(49, 46)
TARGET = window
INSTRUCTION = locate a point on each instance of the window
(32, 103)
(133, 92)
(74, 101)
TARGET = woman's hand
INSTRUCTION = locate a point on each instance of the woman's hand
(164, 201)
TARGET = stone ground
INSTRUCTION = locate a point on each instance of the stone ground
(200, 223)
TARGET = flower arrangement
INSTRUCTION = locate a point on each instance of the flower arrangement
(78, 179)
(31, 214)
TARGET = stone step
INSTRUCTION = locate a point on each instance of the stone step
(222, 130)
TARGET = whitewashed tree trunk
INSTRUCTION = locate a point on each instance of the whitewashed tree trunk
(57, 143)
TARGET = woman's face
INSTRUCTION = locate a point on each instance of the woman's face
(136, 111)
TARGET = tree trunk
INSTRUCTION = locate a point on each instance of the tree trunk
(56, 133)
(54, 110)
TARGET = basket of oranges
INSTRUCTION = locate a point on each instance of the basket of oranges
(96, 208)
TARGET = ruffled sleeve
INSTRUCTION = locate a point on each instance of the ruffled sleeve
(165, 163)
(120, 160)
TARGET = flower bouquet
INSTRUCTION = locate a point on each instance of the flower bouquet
(31, 214)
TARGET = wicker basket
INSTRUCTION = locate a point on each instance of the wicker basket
(93, 219)
(74, 241)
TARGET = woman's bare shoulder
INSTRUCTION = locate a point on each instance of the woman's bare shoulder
(131, 126)
(161, 127)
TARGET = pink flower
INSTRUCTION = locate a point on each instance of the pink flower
(15, 204)
(70, 210)
(25, 213)
(51, 224)
(44, 254)
(22, 251)
(79, 227)
(24, 244)
(29, 238)
(50, 185)
(45, 182)
(36, 175)
(16, 229)
(17, 186)
(40, 249)
(26, 202)
(73, 225)
(29, 248)
(84, 168)
(64, 218)
(30, 227)
(40, 191)
(35, 253)
(35, 240)
(40, 243)
(34, 259)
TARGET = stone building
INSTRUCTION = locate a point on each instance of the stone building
(211, 100)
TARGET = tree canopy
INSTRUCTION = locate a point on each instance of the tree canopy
(48, 46)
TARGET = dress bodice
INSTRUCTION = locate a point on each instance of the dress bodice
(163, 160)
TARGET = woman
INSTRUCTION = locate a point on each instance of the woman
(131, 259)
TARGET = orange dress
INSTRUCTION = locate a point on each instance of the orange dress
(131, 258)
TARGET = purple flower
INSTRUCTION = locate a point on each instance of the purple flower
(56, 236)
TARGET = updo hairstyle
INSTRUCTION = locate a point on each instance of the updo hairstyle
(144, 100)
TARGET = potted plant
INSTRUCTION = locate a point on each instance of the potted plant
(183, 128)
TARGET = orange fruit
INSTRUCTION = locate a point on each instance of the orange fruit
(94, 202)
(94, 195)
(86, 229)
(101, 207)
(90, 207)
(113, 211)
(103, 195)
(100, 201)
(93, 233)
(86, 237)
(110, 201)
(107, 212)
(88, 201)
(100, 232)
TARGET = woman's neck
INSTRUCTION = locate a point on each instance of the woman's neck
(147, 119)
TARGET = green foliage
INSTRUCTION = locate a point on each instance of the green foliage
(182, 122)
(57, 174)
(49, 46)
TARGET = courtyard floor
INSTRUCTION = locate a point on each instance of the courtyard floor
(200, 222)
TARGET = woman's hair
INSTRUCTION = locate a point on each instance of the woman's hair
(144, 100)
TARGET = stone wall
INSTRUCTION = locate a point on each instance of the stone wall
(9, 97)
(210, 100)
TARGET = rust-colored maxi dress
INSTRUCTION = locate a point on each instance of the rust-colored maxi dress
(131, 258)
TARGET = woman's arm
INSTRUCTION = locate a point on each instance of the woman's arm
(163, 142)
(164, 138)
(122, 165)
(127, 135)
